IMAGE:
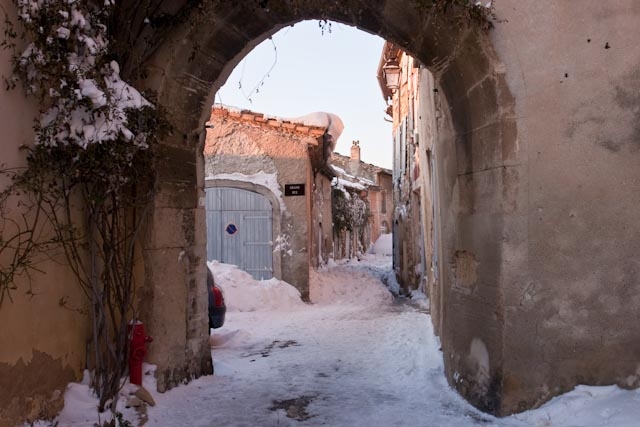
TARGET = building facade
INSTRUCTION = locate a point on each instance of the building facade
(412, 259)
(371, 182)
(268, 195)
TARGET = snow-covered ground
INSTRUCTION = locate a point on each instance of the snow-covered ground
(356, 357)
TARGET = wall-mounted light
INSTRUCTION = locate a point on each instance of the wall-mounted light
(391, 70)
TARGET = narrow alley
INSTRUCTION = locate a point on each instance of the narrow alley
(356, 357)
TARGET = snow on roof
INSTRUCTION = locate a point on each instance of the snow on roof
(364, 182)
(229, 108)
(348, 184)
(331, 122)
(339, 170)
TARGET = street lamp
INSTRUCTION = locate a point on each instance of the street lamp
(391, 70)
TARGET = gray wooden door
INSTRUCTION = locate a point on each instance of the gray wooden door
(239, 230)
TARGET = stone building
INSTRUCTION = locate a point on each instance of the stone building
(375, 185)
(409, 251)
(268, 192)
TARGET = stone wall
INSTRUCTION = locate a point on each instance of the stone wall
(534, 158)
(572, 283)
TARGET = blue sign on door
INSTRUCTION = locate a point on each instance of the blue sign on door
(231, 229)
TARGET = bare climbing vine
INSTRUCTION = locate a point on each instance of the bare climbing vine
(89, 177)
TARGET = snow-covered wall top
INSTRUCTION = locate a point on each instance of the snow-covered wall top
(331, 122)
(314, 124)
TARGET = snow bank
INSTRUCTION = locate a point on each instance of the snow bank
(243, 293)
(81, 403)
(587, 406)
(420, 299)
(384, 245)
(345, 285)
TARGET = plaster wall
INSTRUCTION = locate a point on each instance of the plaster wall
(374, 204)
(574, 282)
(385, 182)
(43, 337)
(539, 292)
(427, 116)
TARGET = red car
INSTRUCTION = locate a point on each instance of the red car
(217, 308)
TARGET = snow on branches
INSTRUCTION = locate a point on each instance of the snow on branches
(67, 67)
(350, 210)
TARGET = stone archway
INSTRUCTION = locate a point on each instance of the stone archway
(192, 61)
(517, 169)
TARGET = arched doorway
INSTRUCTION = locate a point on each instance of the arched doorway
(239, 230)
(536, 165)
(187, 66)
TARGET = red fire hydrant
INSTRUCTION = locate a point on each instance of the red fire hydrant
(137, 351)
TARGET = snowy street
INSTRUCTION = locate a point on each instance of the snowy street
(363, 360)
(357, 357)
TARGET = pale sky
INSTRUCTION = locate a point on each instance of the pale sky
(333, 72)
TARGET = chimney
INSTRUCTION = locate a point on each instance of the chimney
(355, 158)
(355, 151)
